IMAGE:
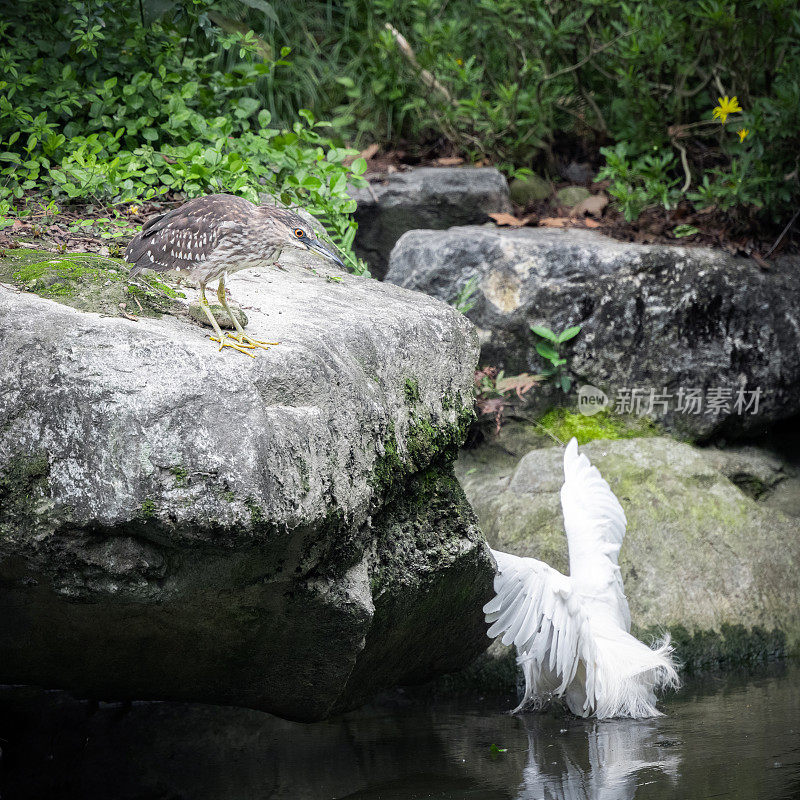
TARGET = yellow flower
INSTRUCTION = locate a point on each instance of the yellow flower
(133, 209)
(742, 134)
(459, 62)
(727, 105)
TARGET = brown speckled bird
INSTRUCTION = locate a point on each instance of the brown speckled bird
(208, 237)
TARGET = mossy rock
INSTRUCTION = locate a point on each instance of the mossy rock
(570, 196)
(700, 559)
(87, 282)
(564, 424)
(529, 189)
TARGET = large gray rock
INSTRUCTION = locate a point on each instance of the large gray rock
(654, 317)
(283, 533)
(700, 556)
(428, 197)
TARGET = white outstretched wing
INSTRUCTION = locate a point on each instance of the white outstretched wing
(536, 610)
(572, 634)
(595, 525)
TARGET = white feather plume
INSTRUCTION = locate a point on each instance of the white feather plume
(572, 634)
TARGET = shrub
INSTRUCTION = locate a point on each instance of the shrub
(103, 108)
(506, 80)
(517, 77)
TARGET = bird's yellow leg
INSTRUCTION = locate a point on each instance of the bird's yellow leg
(224, 341)
(240, 336)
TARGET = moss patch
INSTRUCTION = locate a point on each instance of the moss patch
(565, 424)
(22, 483)
(731, 646)
(423, 578)
(412, 392)
(148, 508)
(425, 443)
(220, 314)
(86, 281)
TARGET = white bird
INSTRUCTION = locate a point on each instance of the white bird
(572, 634)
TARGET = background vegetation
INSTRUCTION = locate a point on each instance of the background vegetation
(117, 101)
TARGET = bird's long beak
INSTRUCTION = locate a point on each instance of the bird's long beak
(325, 252)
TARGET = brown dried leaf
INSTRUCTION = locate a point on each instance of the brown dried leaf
(370, 151)
(593, 206)
(518, 383)
(448, 161)
(591, 223)
(554, 222)
(509, 220)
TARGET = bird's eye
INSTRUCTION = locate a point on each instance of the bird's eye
(299, 233)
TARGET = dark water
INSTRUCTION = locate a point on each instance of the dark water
(725, 737)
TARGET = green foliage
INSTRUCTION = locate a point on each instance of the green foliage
(550, 349)
(119, 100)
(726, 189)
(518, 75)
(464, 301)
(640, 183)
(100, 107)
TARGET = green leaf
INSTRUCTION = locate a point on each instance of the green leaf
(545, 333)
(264, 7)
(495, 749)
(544, 349)
(679, 231)
(359, 166)
(569, 333)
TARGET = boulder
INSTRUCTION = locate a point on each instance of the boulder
(428, 197)
(283, 533)
(570, 196)
(700, 558)
(529, 189)
(658, 321)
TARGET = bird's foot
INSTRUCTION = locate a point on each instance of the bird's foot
(245, 341)
(230, 341)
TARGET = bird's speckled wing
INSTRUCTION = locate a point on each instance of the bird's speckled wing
(595, 525)
(187, 236)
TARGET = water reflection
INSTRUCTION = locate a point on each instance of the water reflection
(606, 762)
(730, 738)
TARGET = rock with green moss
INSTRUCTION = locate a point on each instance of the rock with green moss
(660, 323)
(529, 189)
(283, 533)
(86, 282)
(570, 196)
(701, 558)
